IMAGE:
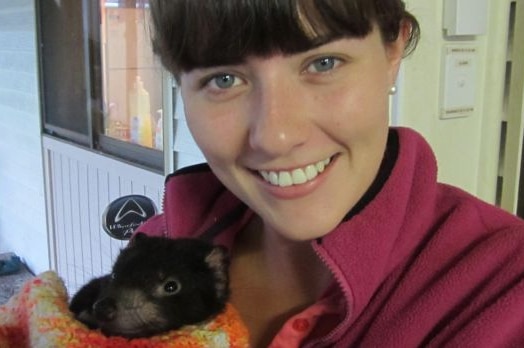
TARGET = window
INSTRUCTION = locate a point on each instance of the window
(101, 85)
(64, 66)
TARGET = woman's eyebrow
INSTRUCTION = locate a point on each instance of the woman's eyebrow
(205, 70)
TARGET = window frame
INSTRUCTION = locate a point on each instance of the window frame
(94, 137)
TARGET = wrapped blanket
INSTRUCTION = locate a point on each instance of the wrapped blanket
(38, 316)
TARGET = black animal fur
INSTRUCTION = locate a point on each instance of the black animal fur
(157, 284)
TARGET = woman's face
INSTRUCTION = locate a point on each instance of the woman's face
(299, 138)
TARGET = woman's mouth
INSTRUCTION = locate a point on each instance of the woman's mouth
(296, 176)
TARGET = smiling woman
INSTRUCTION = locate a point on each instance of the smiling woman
(284, 114)
(339, 233)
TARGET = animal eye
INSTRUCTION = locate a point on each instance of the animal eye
(323, 64)
(172, 287)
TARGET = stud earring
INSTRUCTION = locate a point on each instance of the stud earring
(393, 90)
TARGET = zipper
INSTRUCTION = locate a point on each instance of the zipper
(162, 211)
(328, 340)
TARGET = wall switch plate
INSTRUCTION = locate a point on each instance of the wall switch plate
(459, 78)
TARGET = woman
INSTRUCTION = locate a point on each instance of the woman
(338, 231)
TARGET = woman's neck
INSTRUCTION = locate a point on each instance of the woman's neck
(273, 278)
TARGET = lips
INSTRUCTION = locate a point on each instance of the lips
(296, 176)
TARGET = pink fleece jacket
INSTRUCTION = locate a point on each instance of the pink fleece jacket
(422, 264)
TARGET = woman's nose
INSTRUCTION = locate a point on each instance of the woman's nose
(279, 119)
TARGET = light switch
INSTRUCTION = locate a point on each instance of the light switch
(458, 83)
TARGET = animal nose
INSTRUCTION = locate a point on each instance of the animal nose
(105, 309)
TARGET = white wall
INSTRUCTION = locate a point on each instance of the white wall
(81, 185)
(22, 202)
(467, 149)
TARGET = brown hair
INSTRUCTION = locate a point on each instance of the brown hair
(188, 34)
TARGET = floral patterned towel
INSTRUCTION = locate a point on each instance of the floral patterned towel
(38, 316)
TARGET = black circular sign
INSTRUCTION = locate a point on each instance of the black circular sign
(123, 215)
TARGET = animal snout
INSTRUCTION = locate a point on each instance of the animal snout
(105, 309)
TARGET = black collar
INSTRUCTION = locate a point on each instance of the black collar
(388, 162)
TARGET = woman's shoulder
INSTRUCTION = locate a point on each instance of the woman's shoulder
(196, 205)
(459, 204)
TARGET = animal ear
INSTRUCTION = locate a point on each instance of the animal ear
(218, 262)
(137, 238)
(218, 257)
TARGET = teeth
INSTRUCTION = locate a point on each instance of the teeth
(295, 177)
(299, 177)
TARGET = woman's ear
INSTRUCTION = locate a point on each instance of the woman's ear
(395, 50)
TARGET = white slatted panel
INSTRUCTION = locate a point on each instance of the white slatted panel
(80, 186)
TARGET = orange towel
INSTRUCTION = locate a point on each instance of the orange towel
(38, 316)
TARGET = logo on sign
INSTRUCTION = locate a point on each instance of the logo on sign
(125, 214)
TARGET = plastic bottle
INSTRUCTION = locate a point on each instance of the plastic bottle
(159, 142)
(140, 115)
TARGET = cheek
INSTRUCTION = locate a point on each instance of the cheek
(356, 107)
(358, 118)
(217, 130)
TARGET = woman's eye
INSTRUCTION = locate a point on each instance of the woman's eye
(223, 81)
(323, 64)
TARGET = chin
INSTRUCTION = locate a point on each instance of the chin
(300, 233)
